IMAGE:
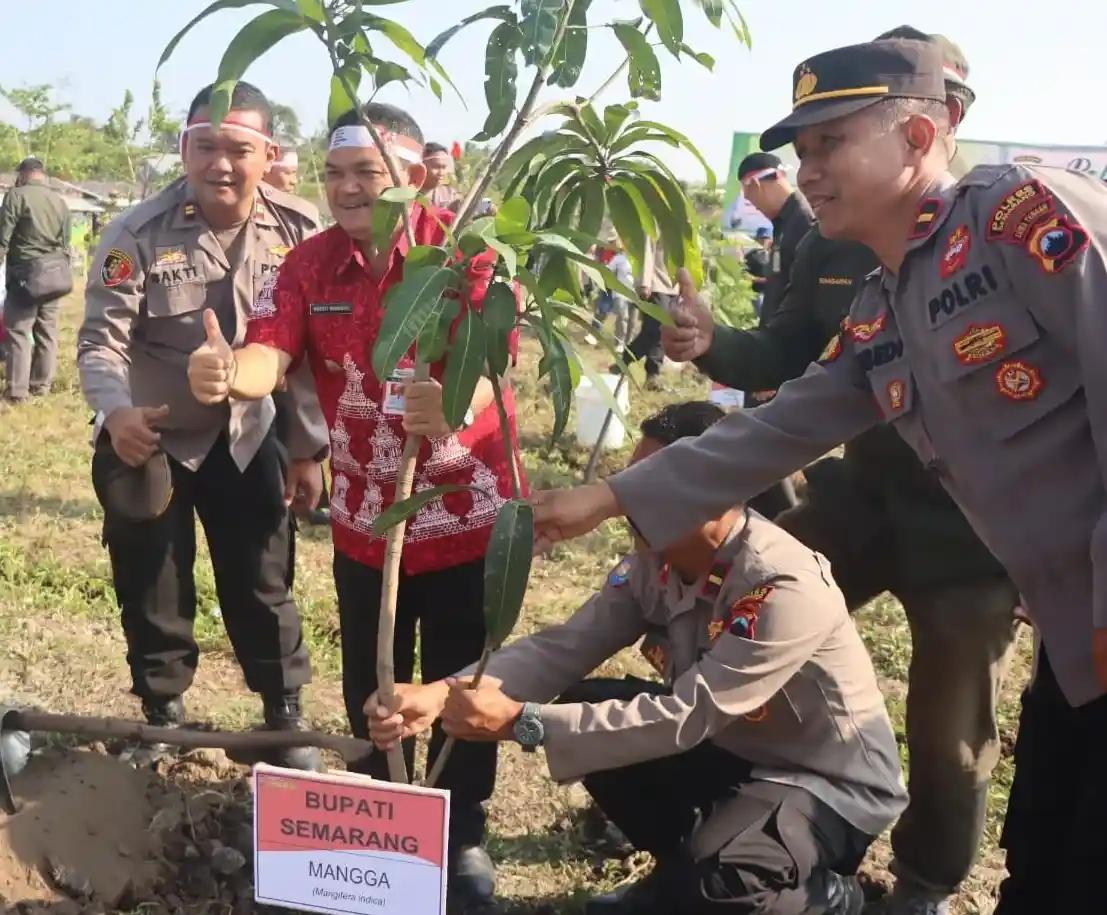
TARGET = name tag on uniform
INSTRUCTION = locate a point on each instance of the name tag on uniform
(330, 308)
(393, 392)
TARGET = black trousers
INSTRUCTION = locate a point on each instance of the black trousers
(647, 344)
(447, 606)
(1054, 834)
(785, 840)
(250, 537)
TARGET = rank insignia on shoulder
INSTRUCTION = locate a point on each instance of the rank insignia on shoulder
(620, 575)
(1055, 243)
(280, 250)
(189, 211)
(864, 333)
(926, 217)
(744, 612)
(956, 254)
(713, 584)
(833, 350)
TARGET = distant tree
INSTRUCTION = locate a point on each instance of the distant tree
(285, 122)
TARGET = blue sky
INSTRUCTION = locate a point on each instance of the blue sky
(1036, 82)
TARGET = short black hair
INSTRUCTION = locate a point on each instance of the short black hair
(758, 162)
(682, 420)
(389, 117)
(245, 97)
(433, 149)
(30, 165)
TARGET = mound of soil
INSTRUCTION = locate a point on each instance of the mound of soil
(94, 836)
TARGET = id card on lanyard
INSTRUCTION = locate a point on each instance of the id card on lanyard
(393, 400)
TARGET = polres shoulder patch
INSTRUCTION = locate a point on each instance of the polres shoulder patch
(745, 611)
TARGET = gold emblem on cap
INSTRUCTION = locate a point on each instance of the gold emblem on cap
(805, 83)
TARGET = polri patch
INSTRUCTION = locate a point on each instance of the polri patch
(330, 308)
(265, 306)
(620, 575)
(1019, 381)
(864, 333)
(118, 267)
(1009, 211)
(1056, 243)
(979, 343)
(170, 256)
(926, 217)
(956, 254)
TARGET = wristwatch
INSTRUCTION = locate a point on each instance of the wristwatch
(529, 730)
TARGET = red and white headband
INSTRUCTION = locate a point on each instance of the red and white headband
(762, 174)
(197, 123)
(357, 136)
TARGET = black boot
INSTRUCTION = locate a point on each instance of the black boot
(840, 895)
(159, 713)
(472, 882)
(283, 714)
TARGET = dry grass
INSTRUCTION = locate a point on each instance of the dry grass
(63, 647)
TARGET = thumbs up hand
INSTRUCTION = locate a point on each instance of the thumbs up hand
(693, 330)
(211, 367)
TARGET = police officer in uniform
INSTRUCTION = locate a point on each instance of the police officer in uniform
(985, 353)
(887, 524)
(207, 241)
(768, 720)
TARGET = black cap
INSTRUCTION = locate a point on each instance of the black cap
(758, 162)
(135, 493)
(956, 64)
(31, 164)
(840, 82)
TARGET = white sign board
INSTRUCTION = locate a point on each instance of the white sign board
(345, 843)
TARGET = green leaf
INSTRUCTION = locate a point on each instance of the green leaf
(513, 216)
(253, 40)
(539, 28)
(645, 213)
(644, 75)
(387, 212)
(573, 50)
(519, 164)
(614, 119)
(701, 57)
(507, 254)
(425, 256)
(501, 70)
(592, 209)
(624, 216)
(313, 10)
(472, 244)
(591, 123)
(340, 101)
(557, 368)
(667, 202)
(464, 367)
(412, 306)
(499, 312)
(216, 7)
(713, 9)
(507, 569)
(403, 511)
(666, 15)
(399, 36)
(687, 144)
(433, 342)
(492, 12)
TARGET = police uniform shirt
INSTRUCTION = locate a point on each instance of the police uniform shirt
(763, 661)
(986, 353)
(792, 223)
(156, 270)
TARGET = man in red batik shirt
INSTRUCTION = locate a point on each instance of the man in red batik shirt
(325, 305)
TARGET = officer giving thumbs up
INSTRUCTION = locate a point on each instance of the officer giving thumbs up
(693, 329)
(211, 367)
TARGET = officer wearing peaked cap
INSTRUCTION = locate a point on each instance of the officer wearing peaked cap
(886, 524)
(983, 349)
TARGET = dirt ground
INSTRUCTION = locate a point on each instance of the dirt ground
(114, 841)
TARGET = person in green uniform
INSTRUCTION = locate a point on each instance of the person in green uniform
(887, 524)
(34, 240)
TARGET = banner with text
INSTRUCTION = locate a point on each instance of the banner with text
(739, 215)
(344, 843)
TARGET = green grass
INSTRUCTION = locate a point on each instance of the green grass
(64, 651)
